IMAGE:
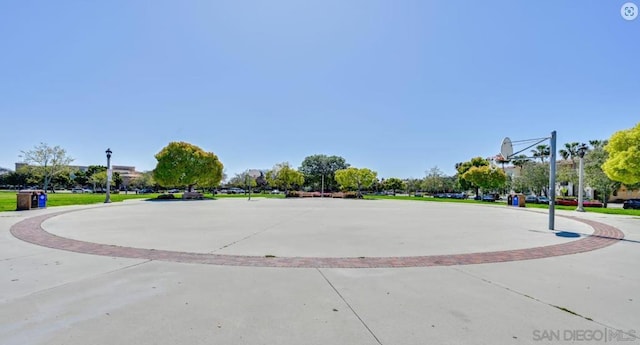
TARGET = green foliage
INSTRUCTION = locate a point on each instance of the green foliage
(595, 175)
(315, 167)
(284, 177)
(486, 177)
(145, 180)
(47, 161)
(354, 178)
(541, 151)
(184, 164)
(567, 174)
(463, 167)
(534, 177)
(623, 163)
(393, 184)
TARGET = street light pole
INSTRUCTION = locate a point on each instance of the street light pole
(108, 198)
(581, 152)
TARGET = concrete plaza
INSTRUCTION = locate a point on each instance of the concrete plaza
(316, 271)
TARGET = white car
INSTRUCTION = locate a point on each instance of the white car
(275, 191)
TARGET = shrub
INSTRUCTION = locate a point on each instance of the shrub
(166, 196)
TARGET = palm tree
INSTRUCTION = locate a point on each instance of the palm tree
(541, 151)
(520, 161)
(596, 144)
(570, 152)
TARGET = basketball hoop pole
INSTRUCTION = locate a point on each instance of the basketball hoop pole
(552, 181)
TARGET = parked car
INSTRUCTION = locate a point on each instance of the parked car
(236, 191)
(592, 203)
(87, 190)
(489, 197)
(542, 200)
(77, 190)
(532, 199)
(275, 191)
(171, 191)
(574, 202)
(145, 191)
(631, 204)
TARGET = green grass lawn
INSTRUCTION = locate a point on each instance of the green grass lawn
(8, 198)
(619, 211)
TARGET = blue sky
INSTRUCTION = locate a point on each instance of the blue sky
(395, 86)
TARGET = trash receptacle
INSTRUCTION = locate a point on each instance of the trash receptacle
(42, 200)
(34, 199)
(516, 200)
(509, 200)
(23, 200)
(521, 200)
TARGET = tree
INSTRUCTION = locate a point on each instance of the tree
(434, 182)
(520, 161)
(354, 178)
(413, 185)
(315, 167)
(463, 167)
(47, 161)
(184, 164)
(623, 163)
(596, 177)
(145, 180)
(486, 177)
(541, 151)
(243, 180)
(285, 177)
(393, 184)
(534, 177)
(570, 152)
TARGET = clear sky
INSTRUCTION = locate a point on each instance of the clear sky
(395, 86)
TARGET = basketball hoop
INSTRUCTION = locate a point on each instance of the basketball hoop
(506, 149)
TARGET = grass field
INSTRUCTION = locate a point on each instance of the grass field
(8, 200)
(543, 206)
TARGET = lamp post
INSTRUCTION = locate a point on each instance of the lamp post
(581, 152)
(108, 198)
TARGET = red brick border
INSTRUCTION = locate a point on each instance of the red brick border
(30, 230)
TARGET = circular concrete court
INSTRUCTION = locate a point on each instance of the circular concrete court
(314, 232)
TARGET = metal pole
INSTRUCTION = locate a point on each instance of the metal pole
(581, 186)
(552, 182)
(322, 187)
(108, 198)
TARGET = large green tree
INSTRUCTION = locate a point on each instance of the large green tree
(184, 164)
(463, 167)
(316, 167)
(283, 176)
(623, 163)
(47, 161)
(596, 177)
(393, 184)
(354, 178)
(534, 178)
(486, 177)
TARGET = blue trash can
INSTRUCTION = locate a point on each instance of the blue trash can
(42, 200)
(515, 200)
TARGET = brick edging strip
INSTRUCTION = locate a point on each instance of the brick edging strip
(30, 230)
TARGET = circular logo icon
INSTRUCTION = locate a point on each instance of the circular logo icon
(629, 11)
